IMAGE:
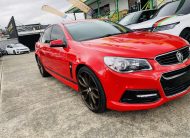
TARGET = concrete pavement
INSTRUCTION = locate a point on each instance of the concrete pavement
(36, 107)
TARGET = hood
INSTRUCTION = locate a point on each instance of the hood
(21, 47)
(137, 44)
(146, 24)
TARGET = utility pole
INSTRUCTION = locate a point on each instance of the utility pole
(98, 2)
(117, 8)
(151, 4)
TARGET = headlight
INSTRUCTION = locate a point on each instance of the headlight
(165, 27)
(123, 65)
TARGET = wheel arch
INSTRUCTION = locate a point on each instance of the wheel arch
(186, 28)
(79, 66)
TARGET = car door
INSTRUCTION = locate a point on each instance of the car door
(44, 46)
(9, 49)
(59, 61)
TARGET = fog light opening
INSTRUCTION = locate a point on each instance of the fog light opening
(140, 96)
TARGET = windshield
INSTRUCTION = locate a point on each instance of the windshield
(131, 18)
(177, 7)
(137, 17)
(94, 29)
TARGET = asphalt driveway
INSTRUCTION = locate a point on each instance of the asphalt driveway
(32, 106)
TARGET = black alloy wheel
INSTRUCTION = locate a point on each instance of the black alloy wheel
(186, 34)
(91, 90)
(43, 72)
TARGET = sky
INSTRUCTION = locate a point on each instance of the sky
(29, 11)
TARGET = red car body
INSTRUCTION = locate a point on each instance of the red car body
(144, 45)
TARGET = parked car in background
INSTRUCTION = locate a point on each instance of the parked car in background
(137, 17)
(17, 49)
(1, 54)
(3, 51)
(172, 18)
(113, 67)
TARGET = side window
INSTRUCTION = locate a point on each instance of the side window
(9, 46)
(57, 33)
(46, 38)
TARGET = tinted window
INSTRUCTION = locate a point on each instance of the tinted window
(46, 36)
(184, 7)
(146, 15)
(82, 31)
(178, 7)
(57, 33)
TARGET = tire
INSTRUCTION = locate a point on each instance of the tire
(14, 52)
(186, 34)
(91, 90)
(42, 70)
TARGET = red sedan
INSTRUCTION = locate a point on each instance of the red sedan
(113, 67)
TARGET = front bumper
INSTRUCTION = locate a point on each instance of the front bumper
(23, 51)
(143, 80)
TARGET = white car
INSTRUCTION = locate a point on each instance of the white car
(17, 49)
(137, 17)
(172, 18)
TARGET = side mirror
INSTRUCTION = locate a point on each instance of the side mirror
(57, 43)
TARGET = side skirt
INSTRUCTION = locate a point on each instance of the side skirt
(63, 79)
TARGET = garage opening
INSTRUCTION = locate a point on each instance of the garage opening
(29, 40)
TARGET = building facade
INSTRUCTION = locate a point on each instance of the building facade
(104, 8)
(116, 9)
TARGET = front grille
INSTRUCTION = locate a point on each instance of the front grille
(24, 49)
(171, 57)
(176, 82)
(22, 52)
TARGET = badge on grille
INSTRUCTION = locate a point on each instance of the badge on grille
(179, 56)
